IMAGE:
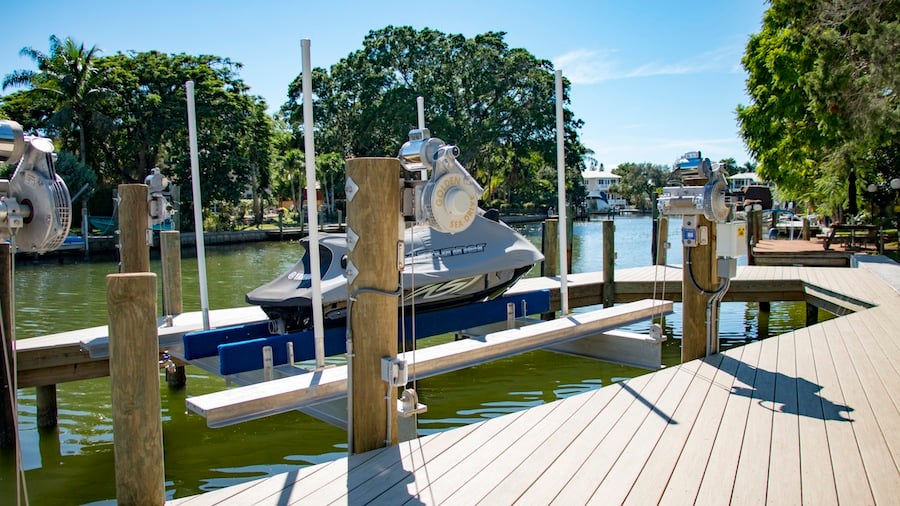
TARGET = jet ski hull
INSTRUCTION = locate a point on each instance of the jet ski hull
(441, 270)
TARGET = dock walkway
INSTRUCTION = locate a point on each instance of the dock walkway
(805, 417)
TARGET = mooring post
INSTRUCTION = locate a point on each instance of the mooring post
(661, 239)
(134, 380)
(8, 437)
(373, 207)
(173, 305)
(550, 246)
(133, 225)
(47, 410)
(609, 263)
(700, 261)
(812, 314)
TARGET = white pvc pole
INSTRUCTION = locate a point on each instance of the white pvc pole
(420, 109)
(561, 190)
(198, 208)
(311, 207)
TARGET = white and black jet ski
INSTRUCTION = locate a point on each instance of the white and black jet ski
(441, 270)
(458, 254)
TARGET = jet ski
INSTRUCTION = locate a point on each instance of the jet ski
(441, 270)
(456, 253)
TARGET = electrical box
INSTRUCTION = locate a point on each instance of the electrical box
(394, 371)
(731, 239)
(726, 267)
(689, 231)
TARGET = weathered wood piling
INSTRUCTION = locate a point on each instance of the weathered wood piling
(373, 216)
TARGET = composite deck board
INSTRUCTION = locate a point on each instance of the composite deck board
(816, 473)
(687, 474)
(879, 462)
(750, 484)
(545, 488)
(807, 417)
(538, 461)
(849, 474)
(581, 485)
(651, 483)
(721, 466)
(784, 457)
(614, 487)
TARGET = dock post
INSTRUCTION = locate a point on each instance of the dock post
(170, 251)
(701, 261)
(660, 240)
(8, 411)
(373, 207)
(609, 263)
(812, 314)
(47, 409)
(550, 247)
(134, 220)
(134, 380)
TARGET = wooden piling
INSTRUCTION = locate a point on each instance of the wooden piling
(134, 380)
(8, 437)
(703, 266)
(373, 215)
(609, 263)
(550, 247)
(812, 314)
(133, 226)
(660, 238)
(170, 251)
(47, 409)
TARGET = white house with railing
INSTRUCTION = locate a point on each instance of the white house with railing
(599, 199)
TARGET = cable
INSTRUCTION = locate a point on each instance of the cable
(687, 256)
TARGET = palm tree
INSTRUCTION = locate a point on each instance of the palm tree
(70, 79)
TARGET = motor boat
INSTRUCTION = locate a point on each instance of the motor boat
(441, 270)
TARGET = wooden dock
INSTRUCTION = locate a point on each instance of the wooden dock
(806, 417)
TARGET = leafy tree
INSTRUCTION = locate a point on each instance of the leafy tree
(822, 79)
(641, 182)
(495, 102)
(66, 89)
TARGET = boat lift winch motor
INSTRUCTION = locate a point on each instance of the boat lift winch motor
(35, 205)
(710, 200)
(448, 200)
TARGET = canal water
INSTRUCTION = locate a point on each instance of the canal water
(73, 463)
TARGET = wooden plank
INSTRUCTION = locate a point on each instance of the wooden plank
(287, 394)
(849, 474)
(718, 478)
(652, 481)
(816, 473)
(531, 468)
(440, 476)
(752, 472)
(606, 453)
(873, 413)
(472, 486)
(784, 462)
(323, 488)
(687, 474)
(617, 484)
(545, 488)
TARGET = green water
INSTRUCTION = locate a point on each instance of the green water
(73, 463)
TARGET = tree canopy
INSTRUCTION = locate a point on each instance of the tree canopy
(497, 103)
(128, 112)
(823, 87)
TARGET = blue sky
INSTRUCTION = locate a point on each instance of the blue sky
(651, 79)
